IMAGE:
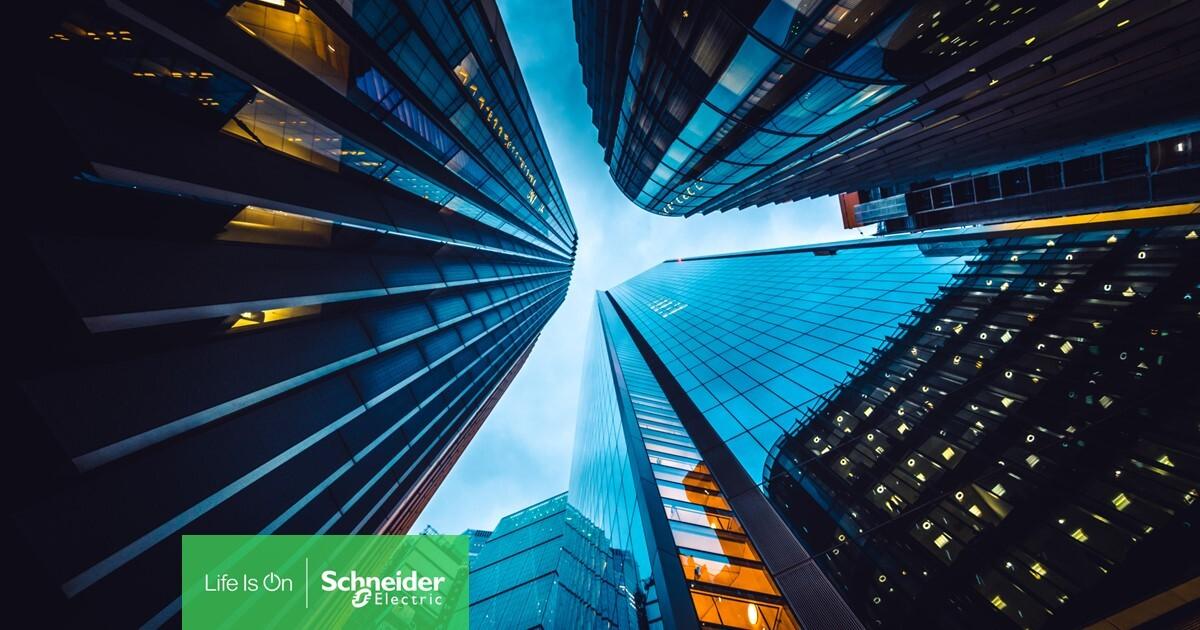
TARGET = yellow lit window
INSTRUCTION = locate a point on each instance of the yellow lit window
(998, 490)
(948, 453)
(1165, 460)
(941, 541)
(1032, 460)
(300, 36)
(999, 603)
(1037, 570)
(1121, 501)
(1079, 534)
(256, 318)
(275, 227)
(974, 509)
(276, 125)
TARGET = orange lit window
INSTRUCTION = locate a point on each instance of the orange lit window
(741, 613)
(725, 574)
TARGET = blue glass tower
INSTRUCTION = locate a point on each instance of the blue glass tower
(547, 566)
(797, 415)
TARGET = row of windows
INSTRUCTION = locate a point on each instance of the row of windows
(1009, 412)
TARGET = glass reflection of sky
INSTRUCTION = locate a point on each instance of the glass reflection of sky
(757, 340)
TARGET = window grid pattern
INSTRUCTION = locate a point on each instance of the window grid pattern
(727, 582)
(756, 341)
(548, 566)
(432, 43)
(1019, 444)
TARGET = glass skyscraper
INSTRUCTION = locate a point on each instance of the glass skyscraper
(970, 428)
(547, 566)
(707, 105)
(286, 258)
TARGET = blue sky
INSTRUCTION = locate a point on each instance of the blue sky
(523, 452)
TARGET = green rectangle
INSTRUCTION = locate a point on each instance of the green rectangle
(325, 582)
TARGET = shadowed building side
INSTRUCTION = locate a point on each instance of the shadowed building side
(286, 259)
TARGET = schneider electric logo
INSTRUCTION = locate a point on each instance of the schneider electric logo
(411, 589)
(325, 582)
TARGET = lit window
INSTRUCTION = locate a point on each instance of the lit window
(255, 318)
(1037, 571)
(1165, 460)
(998, 490)
(1032, 460)
(974, 509)
(1079, 534)
(941, 541)
(999, 603)
(948, 453)
(1121, 501)
(274, 227)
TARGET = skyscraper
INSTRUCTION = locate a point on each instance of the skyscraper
(967, 428)
(704, 105)
(287, 258)
(547, 566)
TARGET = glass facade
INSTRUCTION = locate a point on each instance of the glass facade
(296, 256)
(707, 106)
(637, 469)
(956, 427)
(547, 566)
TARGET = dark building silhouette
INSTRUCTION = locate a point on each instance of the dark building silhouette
(285, 259)
(704, 105)
(1021, 452)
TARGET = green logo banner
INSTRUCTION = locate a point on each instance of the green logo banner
(325, 582)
